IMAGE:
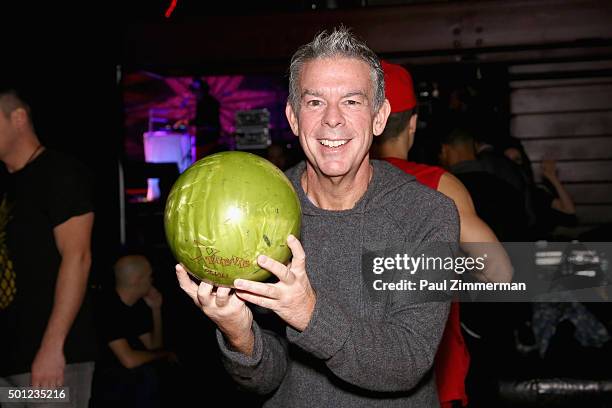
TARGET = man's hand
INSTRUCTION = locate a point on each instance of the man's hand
(48, 367)
(225, 309)
(549, 169)
(153, 298)
(292, 298)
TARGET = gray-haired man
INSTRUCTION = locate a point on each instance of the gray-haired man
(342, 347)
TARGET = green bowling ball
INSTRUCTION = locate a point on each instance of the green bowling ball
(224, 211)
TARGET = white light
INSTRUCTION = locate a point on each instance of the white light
(590, 274)
(233, 214)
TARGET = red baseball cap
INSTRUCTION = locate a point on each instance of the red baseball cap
(399, 89)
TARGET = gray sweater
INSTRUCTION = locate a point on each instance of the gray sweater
(360, 349)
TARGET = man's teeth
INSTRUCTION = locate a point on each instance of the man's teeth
(332, 143)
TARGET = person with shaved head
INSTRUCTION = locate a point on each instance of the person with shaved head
(130, 322)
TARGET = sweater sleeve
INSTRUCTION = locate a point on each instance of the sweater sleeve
(391, 354)
(263, 371)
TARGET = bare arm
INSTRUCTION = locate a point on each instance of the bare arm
(130, 358)
(73, 239)
(154, 340)
(476, 237)
(564, 202)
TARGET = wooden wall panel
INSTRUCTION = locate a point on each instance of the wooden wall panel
(445, 29)
(594, 214)
(589, 193)
(569, 124)
(584, 148)
(563, 111)
(580, 171)
(561, 99)
(571, 66)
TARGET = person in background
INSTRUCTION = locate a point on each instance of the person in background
(206, 119)
(130, 324)
(393, 145)
(46, 215)
(497, 203)
(553, 205)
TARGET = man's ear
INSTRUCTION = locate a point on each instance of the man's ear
(19, 118)
(380, 119)
(412, 124)
(412, 127)
(292, 119)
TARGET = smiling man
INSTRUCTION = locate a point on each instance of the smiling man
(335, 117)
(342, 345)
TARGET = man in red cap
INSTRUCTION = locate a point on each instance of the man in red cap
(452, 359)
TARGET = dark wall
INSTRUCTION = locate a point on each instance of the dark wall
(419, 33)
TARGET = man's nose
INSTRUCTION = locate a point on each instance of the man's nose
(333, 116)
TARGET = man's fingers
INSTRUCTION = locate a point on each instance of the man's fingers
(222, 296)
(278, 269)
(298, 262)
(47, 381)
(35, 381)
(190, 287)
(261, 289)
(203, 294)
(254, 299)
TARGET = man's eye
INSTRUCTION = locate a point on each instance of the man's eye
(352, 102)
(313, 102)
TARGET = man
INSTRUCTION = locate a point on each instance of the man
(130, 322)
(498, 203)
(206, 120)
(343, 346)
(549, 204)
(501, 206)
(499, 165)
(393, 145)
(48, 215)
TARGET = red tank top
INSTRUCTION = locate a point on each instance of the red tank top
(452, 359)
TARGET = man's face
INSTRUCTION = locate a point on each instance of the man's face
(335, 123)
(514, 154)
(444, 156)
(146, 279)
(7, 133)
(12, 125)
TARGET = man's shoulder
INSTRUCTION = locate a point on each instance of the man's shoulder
(55, 171)
(62, 160)
(62, 175)
(416, 209)
(426, 174)
(420, 201)
(409, 195)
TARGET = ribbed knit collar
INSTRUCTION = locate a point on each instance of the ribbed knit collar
(385, 178)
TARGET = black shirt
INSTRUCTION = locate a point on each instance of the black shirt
(117, 320)
(496, 202)
(44, 194)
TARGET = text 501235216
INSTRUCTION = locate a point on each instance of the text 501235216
(31, 394)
